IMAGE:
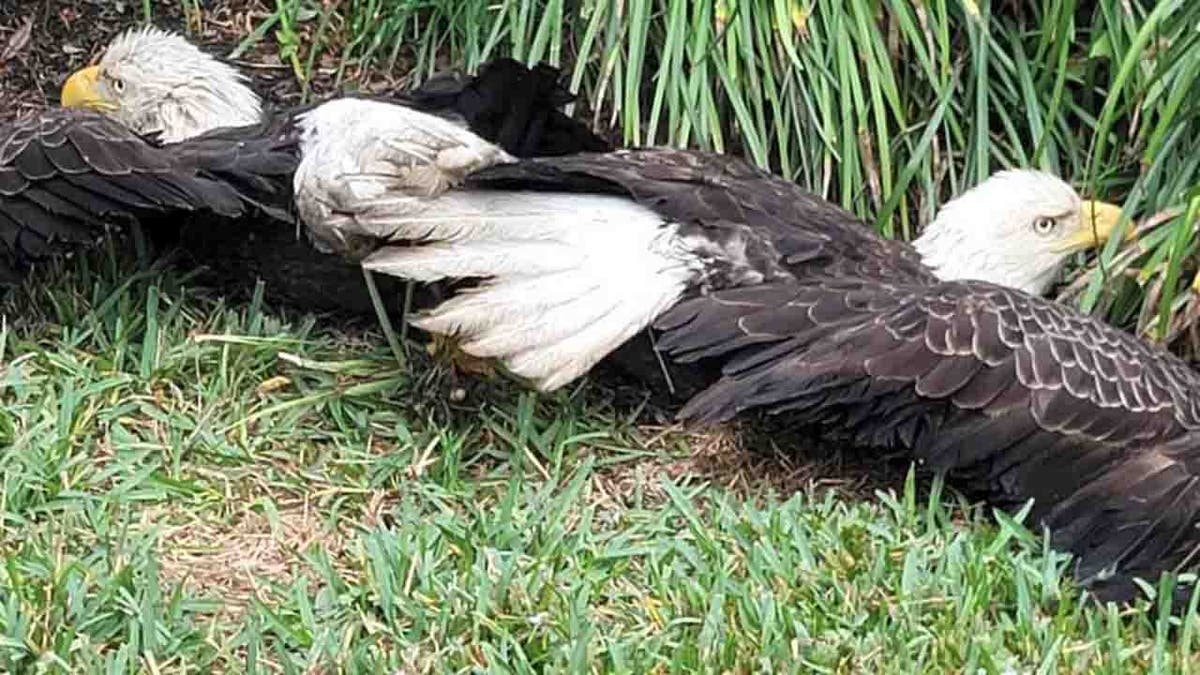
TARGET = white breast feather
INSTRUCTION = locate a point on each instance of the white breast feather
(570, 277)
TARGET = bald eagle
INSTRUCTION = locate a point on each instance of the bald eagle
(943, 349)
(157, 129)
(601, 244)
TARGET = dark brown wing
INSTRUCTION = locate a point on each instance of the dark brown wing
(256, 161)
(1020, 397)
(67, 175)
(779, 229)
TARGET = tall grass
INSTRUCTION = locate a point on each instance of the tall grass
(887, 107)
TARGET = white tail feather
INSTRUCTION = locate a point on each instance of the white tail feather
(487, 215)
(511, 338)
(475, 310)
(554, 365)
(568, 277)
(476, 259)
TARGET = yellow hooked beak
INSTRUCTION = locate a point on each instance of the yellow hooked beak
(1098, 220)
(79, 91)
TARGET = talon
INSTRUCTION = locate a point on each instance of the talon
(444, 349)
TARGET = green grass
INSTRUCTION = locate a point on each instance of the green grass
(192, 486)
(887, 107)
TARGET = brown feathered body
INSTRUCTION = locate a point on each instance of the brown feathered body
(805, 311)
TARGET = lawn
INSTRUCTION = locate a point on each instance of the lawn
(199, 482)
(194, 485)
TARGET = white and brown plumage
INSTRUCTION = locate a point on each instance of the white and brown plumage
(620, 237)
(798, 308)
(158, 129)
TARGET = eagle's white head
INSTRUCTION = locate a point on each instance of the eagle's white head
(154, 81)
(1017, 229)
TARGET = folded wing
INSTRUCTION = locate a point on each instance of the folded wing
(575, 254)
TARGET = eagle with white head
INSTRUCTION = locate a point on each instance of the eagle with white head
(762, 297)
(157, 128)
(1015, 229)
(156, 82)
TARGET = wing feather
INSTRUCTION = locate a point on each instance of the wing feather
(66, 175)
(1094, 426)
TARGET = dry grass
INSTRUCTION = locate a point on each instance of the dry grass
(741, 460)
(238, 557)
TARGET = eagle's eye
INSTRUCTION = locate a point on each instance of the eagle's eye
(118, 85)
(1044, 226)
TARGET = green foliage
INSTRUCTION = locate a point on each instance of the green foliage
(888, 107)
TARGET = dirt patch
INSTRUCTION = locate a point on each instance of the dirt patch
(745, 460)
(237, 559)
